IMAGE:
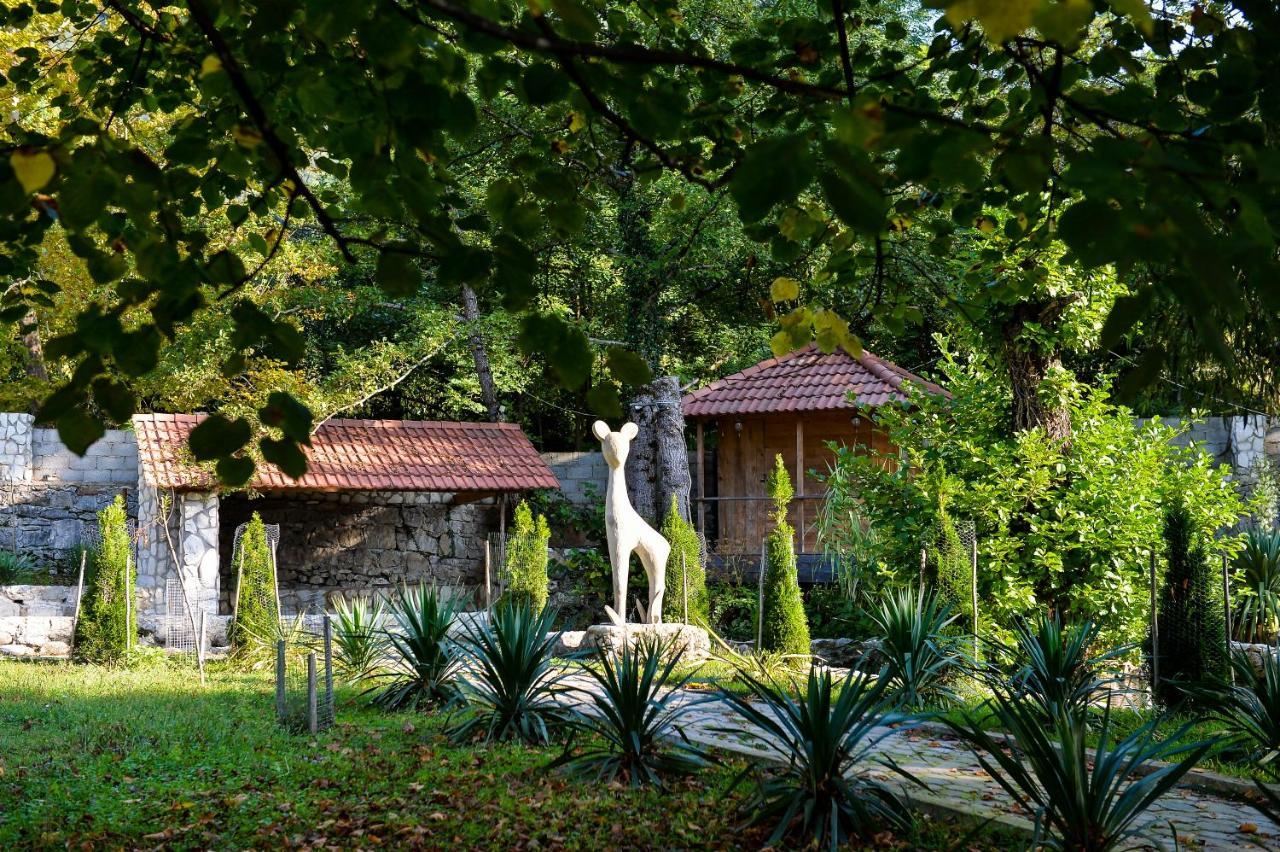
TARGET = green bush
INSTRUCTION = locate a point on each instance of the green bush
(784, 627)
(1190, 622)
(108, 618)
(684, 570)
(525, 568)
(733, 609)
(257, 609)
(953, 570)
(15, 568)
(1066, 528)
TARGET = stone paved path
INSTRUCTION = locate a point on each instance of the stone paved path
(956, 781)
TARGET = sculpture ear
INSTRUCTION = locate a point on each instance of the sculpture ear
(600, 429)
(629, 431)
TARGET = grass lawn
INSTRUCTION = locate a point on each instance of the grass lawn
(149, 758)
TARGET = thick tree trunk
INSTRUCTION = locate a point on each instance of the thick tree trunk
(1029, 366)
(35, 349)
(488, 392)
(658, 465)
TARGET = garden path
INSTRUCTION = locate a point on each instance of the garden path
(958, 783)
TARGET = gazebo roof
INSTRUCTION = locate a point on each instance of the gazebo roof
(805, 380)
(363, 455)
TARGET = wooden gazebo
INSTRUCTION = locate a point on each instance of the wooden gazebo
(794, 406)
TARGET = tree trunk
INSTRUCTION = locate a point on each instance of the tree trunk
(1029, 365)
(488, 393)
(34, 365)
(658, 465)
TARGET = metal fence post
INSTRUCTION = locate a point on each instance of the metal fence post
(313, 711)
(1226, 613)
(280, 708)
(1155, 630)
(328, 663)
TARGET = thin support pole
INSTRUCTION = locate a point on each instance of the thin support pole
(1226, 611)
(923, 562)
(200, 647)
(488, 576)
(764, 554)
(328, 663)
(799, 490)
(1155, 630)
(973, 589)
(313, 710)
(702, 484)
(280, 708)
(684, 581)
(75, 616)
(128, 605)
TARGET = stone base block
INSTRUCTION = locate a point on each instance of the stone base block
(692, 642)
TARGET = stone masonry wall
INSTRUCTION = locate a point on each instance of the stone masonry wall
(580, 474)
(331, 543)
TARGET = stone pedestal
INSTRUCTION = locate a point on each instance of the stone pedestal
(692, 642)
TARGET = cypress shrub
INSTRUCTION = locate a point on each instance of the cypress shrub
(257, 610)
(784, 628)
(954, 571)
(108, 619)
(525, 567)
(684, 570)
(1190, 618)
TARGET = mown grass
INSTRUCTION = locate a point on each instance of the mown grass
(149, 758)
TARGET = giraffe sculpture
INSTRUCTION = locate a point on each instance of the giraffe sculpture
(627, 532)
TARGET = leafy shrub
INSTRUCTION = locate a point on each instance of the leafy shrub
(1057, 672)
(570, 520)
(732, 608)
(633, 725)
(1257, 607)
(359, 640)
(525, 568)
(685, 571)
(1082, 800)
(827, 732)
(832, 614)
(784, 627)
(108, 619)
(1250, 710)
(918, 653)
(257, 609)
(14, 568)
(1066, 528)
(424, 658)
(1190, 621)
(509, 680)
(953, 569)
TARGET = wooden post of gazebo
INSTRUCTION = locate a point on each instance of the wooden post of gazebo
(799, 485)
(702, 487)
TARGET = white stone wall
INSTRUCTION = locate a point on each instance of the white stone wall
(579, 473)
(199, 552)
(113, 460)
(15, 447)
(37, 601)
(35, 636)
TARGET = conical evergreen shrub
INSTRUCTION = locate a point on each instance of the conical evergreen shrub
(257, 609)
(1191, 623)
(108, 618)
(685, 571)
(784, 626)
(525, 567)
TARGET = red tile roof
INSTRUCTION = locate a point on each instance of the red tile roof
(805, 380)
(364, 455)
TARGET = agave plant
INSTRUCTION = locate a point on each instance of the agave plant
(1081, 800)
(1249, 709)
(827, 734)
(256, 649)
(509, 682)
(1257, 610)
(918, 654)
(631, 719)
(425, 658)
(1058, 672)
(14, 568)
(360, 643)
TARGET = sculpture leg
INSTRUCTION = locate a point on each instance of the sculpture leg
(621, 563)
(655, 566)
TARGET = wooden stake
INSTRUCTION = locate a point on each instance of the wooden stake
(75, 616)
(328, 661)
(313, 710)
(200, 648)
(1226, 612)
(280, 708)
(684, 581)
(760, 595)
(1155, 630)
(799, 490)
(488, 576)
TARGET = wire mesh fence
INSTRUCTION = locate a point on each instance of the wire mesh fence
(304, 673)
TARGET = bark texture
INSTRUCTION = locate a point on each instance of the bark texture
(1029, 365)
(488, 392)
(658, 465)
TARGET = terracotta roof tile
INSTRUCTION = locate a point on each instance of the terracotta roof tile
(364, 455)
(805, 380)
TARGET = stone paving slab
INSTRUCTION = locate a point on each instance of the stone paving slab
(957, 782)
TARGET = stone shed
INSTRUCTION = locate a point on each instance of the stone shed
(382, 502)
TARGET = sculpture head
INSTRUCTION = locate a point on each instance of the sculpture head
(614, 445)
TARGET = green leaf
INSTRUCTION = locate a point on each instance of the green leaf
(1125, 314)
(1142, 375)
(287, 414)
(628, 367)
(286, 455)
(773, 171)
(235, 471)
(543, 84)
(784, 289)
(565, 347)
(604, 400)
(397, 274)
(217, 437)
(115, 399)
(78, 431)
(858, 204)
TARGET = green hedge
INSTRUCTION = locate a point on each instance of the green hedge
(107, 626)
(525, 567)
(257, 609)
(785, 628)
(684, 570)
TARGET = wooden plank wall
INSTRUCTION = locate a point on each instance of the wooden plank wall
(746, 455)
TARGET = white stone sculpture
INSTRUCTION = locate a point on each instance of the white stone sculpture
(627, 532)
